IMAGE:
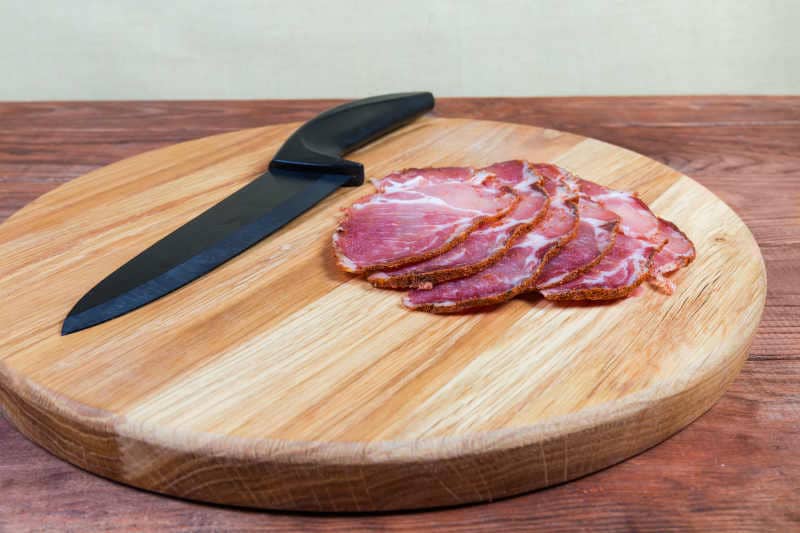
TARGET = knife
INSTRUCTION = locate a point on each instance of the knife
(306, 169)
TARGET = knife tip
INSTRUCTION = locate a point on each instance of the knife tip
(71, 325)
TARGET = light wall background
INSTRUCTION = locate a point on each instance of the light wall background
(201, 49)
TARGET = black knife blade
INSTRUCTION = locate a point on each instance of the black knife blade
(306, 169)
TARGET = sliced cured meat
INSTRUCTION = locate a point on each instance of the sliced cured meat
(484, 236)
(413, 223)
(440, 174)
(678, 253)
(555, 172)
(513, 173)
(512, 274)
(480, 249)
(623, 269)
(636, 219)
(629, 260)
(639, 222)
(483, 246)
(597, 231)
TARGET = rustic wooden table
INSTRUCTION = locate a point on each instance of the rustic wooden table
(737, 467)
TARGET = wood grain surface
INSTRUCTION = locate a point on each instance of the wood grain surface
(760, 426)
(278, 381)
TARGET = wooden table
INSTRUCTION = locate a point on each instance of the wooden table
(737, 467)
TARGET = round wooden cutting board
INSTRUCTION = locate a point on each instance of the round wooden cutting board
(277, 381)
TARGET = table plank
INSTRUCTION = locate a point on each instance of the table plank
(735, 468)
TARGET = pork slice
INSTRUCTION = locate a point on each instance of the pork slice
(617, 274)
(514, 173)
(678, 253)
(597, 230)
(410, 176)
(415, 222)
(483, 246)
(627, 264)
(557, 173)
(639, 222)
(636, 219)
(514, 271)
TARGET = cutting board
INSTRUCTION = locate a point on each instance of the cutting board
(278, 381)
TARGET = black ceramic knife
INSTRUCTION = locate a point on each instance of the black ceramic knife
(304, 171)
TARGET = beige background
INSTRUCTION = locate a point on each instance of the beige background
(302, 49)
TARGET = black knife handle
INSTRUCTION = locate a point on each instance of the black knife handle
(317, 145)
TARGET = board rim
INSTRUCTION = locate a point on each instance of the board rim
(625, 406)
(16, 389)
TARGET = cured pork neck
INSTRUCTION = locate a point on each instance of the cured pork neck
(415, 220)
(597, 231)
(521, 264)
(462, 238)
(485, 245)
(631, 260)
(678, 253)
